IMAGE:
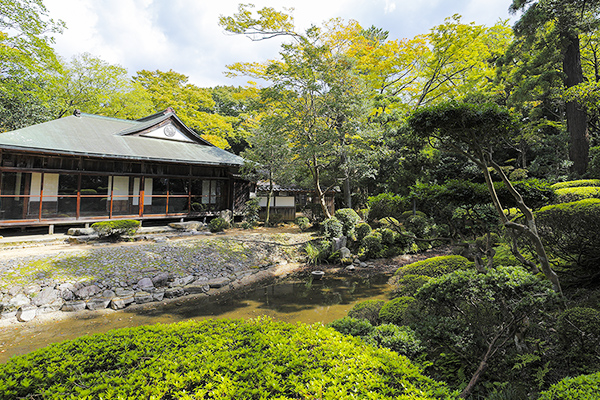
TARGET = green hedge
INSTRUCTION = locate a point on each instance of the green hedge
(570, 230)
(584, 387)
(570, 194)
(114, 229)
(578, 183)
(368, 309)
(395, 310)
(216, 359)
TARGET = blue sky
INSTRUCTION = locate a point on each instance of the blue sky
(184, 35)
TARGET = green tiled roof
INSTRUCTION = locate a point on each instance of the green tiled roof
(97, 136)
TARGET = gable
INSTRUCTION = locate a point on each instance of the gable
(167, 132)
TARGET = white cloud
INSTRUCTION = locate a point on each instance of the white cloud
(184, 35)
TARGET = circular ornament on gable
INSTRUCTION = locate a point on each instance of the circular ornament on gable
(170, 131)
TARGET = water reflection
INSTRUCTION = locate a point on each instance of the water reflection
(305, 301)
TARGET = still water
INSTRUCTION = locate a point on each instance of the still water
(304, 301)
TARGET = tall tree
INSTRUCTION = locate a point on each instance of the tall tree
(569, 19)
(476, 132)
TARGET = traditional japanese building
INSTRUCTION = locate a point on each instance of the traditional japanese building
(85, 168)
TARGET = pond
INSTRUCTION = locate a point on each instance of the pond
(304, 301)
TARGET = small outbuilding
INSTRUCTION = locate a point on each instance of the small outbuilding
(86, 168)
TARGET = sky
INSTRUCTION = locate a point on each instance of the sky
(184, 35)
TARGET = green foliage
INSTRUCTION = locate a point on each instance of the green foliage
(578, 329)
(218, 224)
(386, 205)
(362, 230)
(464, 312)
(407, 285)
(252, 211)
(577, 183)
(318, 252)
(216, 359)
(332, 228)
(570, 230)
(349, 219)
(434, 266)
(584, 387)
(352, 326)
(400, 339)
(303, 223)
(570, 194)
(594, 165)
(371, 245)
(395, 310)
(368, 309)
(113, 230)
(388, 236)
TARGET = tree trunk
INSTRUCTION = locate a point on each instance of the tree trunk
(318, 190)
(269, 197)
(579, 144)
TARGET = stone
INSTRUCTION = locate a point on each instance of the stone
(218, 282)
(160, 279)
(120, 292)
(128, 299)
(8, 315)
(108, 294)
(143, 297)
(75, 305)
(174, 292)
(117, 303)
(158, 295)
(19, 300)
(15, 290)
(67, 295)
(346, 253)
(350, 268)
(80, 231)
(26, 313)
(338, 243)
(29, 290)
(196, 288)
(187, 226)
(97, 303)
(82, 239)
(227, 215)
(87, 291)
(46, 296)
(50, 307)
(145, 283)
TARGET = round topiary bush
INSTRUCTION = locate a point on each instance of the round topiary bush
(216, 359)
(349, 219)
(407, 285)
(362, 230)
(583, 387)
(303, 223)
(435, 266)
(352, 326)
(113, 230)
(578, 330)
(400, 339)
(218, 224)
(371, 245)
(332, 228)
(388, 236)
(395, 311)
(368, 309)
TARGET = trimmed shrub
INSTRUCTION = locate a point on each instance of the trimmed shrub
(570, 231)
(435, 266)
(332, 228)
(407, 285)
(577, 193)
(386, 205)
(352, 326)
(303, 223)
(371, 245)
(395, 311)
(583, 387)
(368, 309)
(362, 230)
(400, 339)
(251, 214)
(349, 219)
(221, 359)
(218, 224)
(577, 183)
(388, 236)
(407, 214)
(579, 334)
(113, 230)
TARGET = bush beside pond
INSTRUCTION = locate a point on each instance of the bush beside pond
(216, 359)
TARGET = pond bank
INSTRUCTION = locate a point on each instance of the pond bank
(40, 280)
